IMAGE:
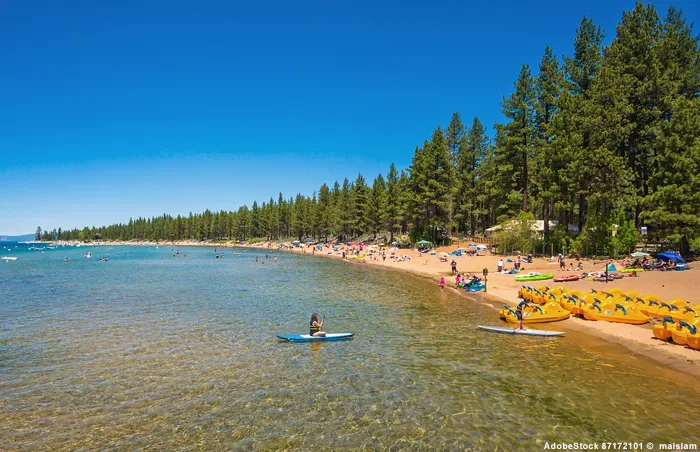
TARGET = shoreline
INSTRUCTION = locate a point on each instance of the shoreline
(637, 339)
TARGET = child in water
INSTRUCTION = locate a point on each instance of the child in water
(442, 283)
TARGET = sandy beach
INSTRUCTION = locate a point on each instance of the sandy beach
(503, 289)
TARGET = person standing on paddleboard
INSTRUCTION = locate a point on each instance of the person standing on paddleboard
(316, 328)
(519, 313)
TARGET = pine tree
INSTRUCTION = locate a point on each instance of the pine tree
(548, 162)
(471, 154)
(515, 143)
(376, 205)
(393, 201)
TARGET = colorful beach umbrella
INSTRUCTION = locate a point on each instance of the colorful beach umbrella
(640, 254)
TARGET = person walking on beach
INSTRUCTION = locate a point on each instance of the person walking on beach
(458, 280)
(442, 283)
(316, 328)
(454, 266)
(562, 262)
(500, 265)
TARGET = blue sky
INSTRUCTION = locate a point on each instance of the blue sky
(119, 109)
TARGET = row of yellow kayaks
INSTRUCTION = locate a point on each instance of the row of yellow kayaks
(533, 313)
(681, 321)
(613, 305)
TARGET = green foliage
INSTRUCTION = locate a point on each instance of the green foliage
(625, 235)
(517, 234)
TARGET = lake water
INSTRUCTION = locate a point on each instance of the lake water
(181, 353)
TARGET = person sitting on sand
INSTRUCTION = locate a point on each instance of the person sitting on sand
(580, 265)
(316, 328)
(442, 283)
(571, 266)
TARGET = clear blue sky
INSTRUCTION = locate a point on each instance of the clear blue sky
(140, 108)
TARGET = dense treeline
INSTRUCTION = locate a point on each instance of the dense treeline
(607, 139)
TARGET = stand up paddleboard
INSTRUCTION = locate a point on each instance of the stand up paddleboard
(307, 338)
(504, 330)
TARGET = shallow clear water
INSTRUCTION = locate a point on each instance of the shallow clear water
(180, 353)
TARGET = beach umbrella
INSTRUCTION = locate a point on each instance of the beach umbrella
(296, 242)
(394, 242)
(443, 254)
(640, 254)
(482, 247)
(423, 242)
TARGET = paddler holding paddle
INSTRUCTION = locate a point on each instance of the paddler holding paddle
(316, 328)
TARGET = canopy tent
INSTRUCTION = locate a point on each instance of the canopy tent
(394, 242)
(443, 254)
(424, 242)
(296, 242)
(610, 267)
(681, 264)
(639, 254)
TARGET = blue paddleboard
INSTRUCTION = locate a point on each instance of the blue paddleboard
(308, 338)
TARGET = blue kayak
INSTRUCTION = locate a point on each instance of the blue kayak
(308, 338)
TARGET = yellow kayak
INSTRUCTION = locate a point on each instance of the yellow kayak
(693, 338)
(551, 312)
(615, 312)
(683, 329)
(664, 330)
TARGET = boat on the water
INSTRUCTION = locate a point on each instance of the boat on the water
(8, 258)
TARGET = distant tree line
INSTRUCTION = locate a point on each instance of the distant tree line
(606, 139)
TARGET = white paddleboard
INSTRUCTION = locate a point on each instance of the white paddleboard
(506, 330)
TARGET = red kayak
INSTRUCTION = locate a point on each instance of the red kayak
(566, 278)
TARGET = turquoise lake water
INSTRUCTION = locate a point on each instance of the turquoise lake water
(148, 350)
